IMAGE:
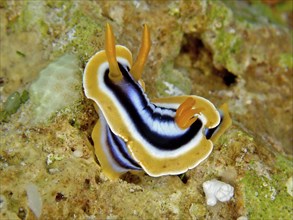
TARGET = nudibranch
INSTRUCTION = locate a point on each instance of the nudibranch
(165, 136)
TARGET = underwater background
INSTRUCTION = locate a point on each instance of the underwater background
(237, 52)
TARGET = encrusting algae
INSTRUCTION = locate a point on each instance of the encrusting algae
(215, 49)
(57, 86)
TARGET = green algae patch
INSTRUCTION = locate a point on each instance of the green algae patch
(226, 46)
(12, 104)
(267, 197)
(62, 26)
(274, 14)
(284, 168)
(218, 15)
(225, 43)
(172, 81)
(286, 60)
(174, 9)
(229, 29)
(257, 12)
(82, 34)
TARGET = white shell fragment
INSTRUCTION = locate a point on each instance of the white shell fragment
(77, 153)
(34, 199)
(216, 190)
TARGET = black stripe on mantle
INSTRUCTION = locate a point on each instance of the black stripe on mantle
(113, 141)
(162, 142)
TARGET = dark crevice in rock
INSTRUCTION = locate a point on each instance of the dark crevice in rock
(90, 140)
(86, 207)
(183, 177)
(22, 213)
(228, 78)
(60, 197)
(131, 178)
(192, 45)
(202, 58)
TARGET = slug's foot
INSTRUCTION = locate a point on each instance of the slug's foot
(185, 114)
